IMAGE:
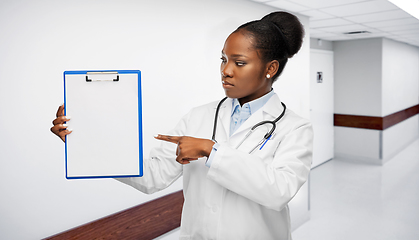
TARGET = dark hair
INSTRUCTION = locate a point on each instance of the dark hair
(277, 36)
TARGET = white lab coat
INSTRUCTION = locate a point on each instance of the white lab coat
(242, 196)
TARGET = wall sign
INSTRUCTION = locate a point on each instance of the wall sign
(319, 77)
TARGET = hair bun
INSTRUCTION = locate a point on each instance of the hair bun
(291, 29)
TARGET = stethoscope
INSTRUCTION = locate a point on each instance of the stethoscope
(262, 142)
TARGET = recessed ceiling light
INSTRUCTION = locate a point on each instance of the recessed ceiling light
(357, 32)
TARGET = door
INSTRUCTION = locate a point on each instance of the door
(321, 101)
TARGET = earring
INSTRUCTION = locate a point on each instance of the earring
(268, 76)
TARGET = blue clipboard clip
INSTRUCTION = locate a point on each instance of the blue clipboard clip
(102, 76)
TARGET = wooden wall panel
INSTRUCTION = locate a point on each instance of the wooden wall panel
(356, 121)
(145, 221)
(375, 123)
(400, 116)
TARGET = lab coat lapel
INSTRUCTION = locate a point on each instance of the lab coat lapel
(271, 110)
(223, 129)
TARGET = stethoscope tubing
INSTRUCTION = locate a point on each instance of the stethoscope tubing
(214, 129)
(267, 136)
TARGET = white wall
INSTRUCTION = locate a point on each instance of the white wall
(375, 77)
(400, 76)
(176, 45)
(399, 136)
(358, 77)
(358, 66)
(399, 91)
(357, 144)
(320, 44)
(375, 146)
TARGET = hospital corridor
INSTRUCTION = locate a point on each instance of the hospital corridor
(209, 119)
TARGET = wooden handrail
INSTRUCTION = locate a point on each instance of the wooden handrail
(145, 221)
(375, 123)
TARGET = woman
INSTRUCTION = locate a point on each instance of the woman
(235, 188)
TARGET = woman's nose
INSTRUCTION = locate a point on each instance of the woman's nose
(226, 71)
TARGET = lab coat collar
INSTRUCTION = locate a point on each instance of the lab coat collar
(271, 110)
(273, 107)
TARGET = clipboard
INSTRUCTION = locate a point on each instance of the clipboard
(106, 119)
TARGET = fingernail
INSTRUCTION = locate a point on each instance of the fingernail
(156, 136)
(70, 130)
(65, 125)
(68, 117)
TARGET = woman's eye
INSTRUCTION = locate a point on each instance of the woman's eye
(223, 60)
(240, 64)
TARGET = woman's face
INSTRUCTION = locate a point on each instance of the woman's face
(242, 71)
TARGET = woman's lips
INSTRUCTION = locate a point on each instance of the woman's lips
(226, 84)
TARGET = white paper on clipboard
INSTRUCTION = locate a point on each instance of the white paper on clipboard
(105, 110)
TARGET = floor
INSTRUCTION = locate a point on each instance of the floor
(358, 201)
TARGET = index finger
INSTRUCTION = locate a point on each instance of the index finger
(60, 111)
(167, 138)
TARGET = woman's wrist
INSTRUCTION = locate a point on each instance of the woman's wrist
(207, 147)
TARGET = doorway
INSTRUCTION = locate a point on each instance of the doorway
(322, 104)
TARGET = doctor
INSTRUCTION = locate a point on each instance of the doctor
(236, 187)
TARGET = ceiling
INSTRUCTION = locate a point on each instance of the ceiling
(331, 19)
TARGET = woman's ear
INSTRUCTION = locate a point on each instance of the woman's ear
(272, 68)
